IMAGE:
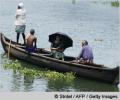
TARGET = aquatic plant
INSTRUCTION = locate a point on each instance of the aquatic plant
(115, 4)
(36, 71)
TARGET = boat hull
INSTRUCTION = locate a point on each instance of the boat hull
(98, 73)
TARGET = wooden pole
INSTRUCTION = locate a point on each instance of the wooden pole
(9, 49)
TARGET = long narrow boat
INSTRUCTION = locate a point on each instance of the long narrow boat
(43, 58)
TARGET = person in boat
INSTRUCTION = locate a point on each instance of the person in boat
(20, 20)
(86, 54)
(57, 48)
(31, 41)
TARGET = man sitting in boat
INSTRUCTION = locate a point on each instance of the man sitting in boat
(86, 54)
(31, 41)
(57, 48)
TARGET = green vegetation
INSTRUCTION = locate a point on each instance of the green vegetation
(115, 4)
(35, 71)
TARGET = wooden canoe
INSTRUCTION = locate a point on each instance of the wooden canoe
(43, 58)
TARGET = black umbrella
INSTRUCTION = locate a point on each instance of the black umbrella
(67, 41)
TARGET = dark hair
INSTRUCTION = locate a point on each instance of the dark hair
(86, 42)
(32, 31)
(57, 36)
(19, 7)
(60, 38)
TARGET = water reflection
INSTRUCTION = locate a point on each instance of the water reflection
(80, 85)
(17, 81)
(28, 82)
(92, 85)
(59, 85)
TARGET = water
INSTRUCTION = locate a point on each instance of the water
(83, 20)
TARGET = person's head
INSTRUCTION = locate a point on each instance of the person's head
(58, 38)
(32, 31)
(84, 43)
(20, 5)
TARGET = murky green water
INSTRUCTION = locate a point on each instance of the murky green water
(82, 20)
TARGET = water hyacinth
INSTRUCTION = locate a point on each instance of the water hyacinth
(115, 4)
(35, 71)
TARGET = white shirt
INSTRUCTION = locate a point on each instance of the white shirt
(20, 17)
